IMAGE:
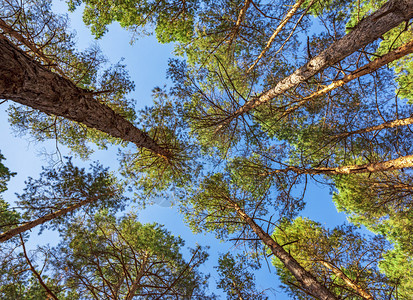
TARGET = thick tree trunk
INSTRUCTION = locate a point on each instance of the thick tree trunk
(389, 165)
(25, 81)
(368, 30)
(307, 281)
(362, 292)
(9, 30)
(29, 225)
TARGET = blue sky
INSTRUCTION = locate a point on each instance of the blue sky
(146, 61)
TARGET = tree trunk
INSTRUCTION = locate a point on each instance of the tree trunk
(389, 165)
(9, 30)
(391, 124)
(49, 292)
(25, 81)
(364, 70)
(368, 30)
(284, 21)
(135, 285)
(307, 281)
(365, 294)
(29, 225)
(240, 18)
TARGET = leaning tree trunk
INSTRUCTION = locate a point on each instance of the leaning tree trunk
(280, 27)
(307, 281)
(368, 30)
(382, 166)
(240, 19)
(389, 124)
(25, 81)
(350, 283)
(364, 70)
(29, 225)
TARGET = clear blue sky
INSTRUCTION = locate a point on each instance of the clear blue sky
(146, 61)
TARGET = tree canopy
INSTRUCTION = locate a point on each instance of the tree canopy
(264, 100)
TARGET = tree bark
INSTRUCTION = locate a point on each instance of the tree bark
(49, 292)
(368, 30)
(9, 30)
(240, 18)
(364, 70)
(284, 21)
(25, 81)
(390, 124)
(389, 165)
(307, 281)
(29, 225)
(135, 285)
(362, 292)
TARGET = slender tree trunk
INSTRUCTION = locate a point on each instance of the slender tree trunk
(135, 285)
(390, 124)
(237, 290)
(368, 30)
(365, 294)
(389, 165)
(29, 225)
(307, 281)
(364, 70)
(241, 17)
(284, 21)
(36, 274)
(25, 81)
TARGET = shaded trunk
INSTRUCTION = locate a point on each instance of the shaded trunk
(9, 30)
(368, 30)
(365, 294)
(29, 225)
(25, 81)
(307, 281)
(389, 165)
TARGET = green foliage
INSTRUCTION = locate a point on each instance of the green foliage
(208, 209)
(398, 266)
(316, 248)
(337, 7)
(172, 19)
(236, 279)
(104, 257)
(68, 185)
(8, 217)
(215, 171)
(381, 202)
(5, 175)
(151, 175)
(17, 279)
(88, 69)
